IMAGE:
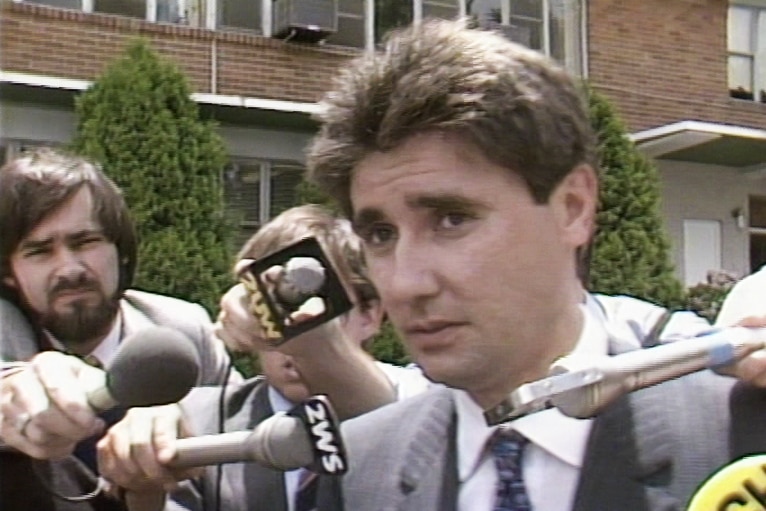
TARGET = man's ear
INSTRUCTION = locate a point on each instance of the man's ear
(10, 282)
(575, 200)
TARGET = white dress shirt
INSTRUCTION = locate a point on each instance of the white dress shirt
(552, 458)
(746, 298)
(279, 403)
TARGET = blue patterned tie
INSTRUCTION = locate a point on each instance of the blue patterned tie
(507, 448)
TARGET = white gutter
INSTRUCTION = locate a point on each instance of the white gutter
(52, 82)
(710, 128)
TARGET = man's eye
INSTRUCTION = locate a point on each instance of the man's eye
(378, 234)
(35, 252)
(88, 241)
(452, 220)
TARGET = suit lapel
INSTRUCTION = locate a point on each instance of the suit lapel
(133, 320)
(628, 462)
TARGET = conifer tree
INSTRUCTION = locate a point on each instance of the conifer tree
(139, 122)
(630, 254)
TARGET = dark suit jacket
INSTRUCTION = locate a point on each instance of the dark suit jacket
(647, 452)
(22, 481)
(243, 486)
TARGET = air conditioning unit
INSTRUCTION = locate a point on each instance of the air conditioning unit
(308, 21)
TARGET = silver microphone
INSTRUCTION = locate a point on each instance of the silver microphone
(581, 385)
(608, 378)
(279, 442)
(301, 279)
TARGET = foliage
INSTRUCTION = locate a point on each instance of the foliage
(388, 347)
(706, 299)
(139, 122)
(630, 254)
(309, 193)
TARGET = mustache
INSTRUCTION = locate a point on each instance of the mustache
(80, 283)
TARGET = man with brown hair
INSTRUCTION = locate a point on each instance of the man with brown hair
(67, 258)
(466, 163)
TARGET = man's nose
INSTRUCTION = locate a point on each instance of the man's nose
(69, 264)
(413, 273)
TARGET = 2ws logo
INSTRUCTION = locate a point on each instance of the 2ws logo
(325, 436)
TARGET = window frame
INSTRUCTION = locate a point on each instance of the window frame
(756, 54)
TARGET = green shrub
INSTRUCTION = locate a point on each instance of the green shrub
(630, 253)
(139, 122)
(706, 299)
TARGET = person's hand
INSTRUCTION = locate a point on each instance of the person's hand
(134, 454)
(44, 407)
(752, 368)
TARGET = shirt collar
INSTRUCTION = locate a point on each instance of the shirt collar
(278, 402)
(543, 429)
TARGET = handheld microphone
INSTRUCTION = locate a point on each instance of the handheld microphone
(608, 378)
(307, 435)
(582, 385)
(302, 278)
(155, 366)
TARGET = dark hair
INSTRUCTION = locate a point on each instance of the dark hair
(524, 112)
(36, 184)
(335, 236)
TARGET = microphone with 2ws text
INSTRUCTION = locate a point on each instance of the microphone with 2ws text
(154, 366)
(306, 436)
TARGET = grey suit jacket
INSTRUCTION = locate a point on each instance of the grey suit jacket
(243, 486)
(20, 486)
(647, 452)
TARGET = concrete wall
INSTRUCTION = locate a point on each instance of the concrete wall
(46, 124)
(708, 192)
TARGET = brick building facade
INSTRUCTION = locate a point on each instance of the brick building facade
(665, 64)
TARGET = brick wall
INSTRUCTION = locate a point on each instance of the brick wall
(53, 42)
(663, 61)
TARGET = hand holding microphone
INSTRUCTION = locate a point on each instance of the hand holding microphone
(50, 405)
(144, 454)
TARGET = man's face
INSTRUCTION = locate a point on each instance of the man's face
(67, 273)
(474, 274)
(281, 373)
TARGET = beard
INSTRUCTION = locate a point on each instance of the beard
(82, 322)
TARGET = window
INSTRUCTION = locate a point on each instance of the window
(132, 8)
(256, 191)
(746, 34)
(64, 4)
(240, 14)
(162, 11)
(553, 27)
(757, 231)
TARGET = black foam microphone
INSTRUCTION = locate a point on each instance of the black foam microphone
(155, 366)
(306, 436)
